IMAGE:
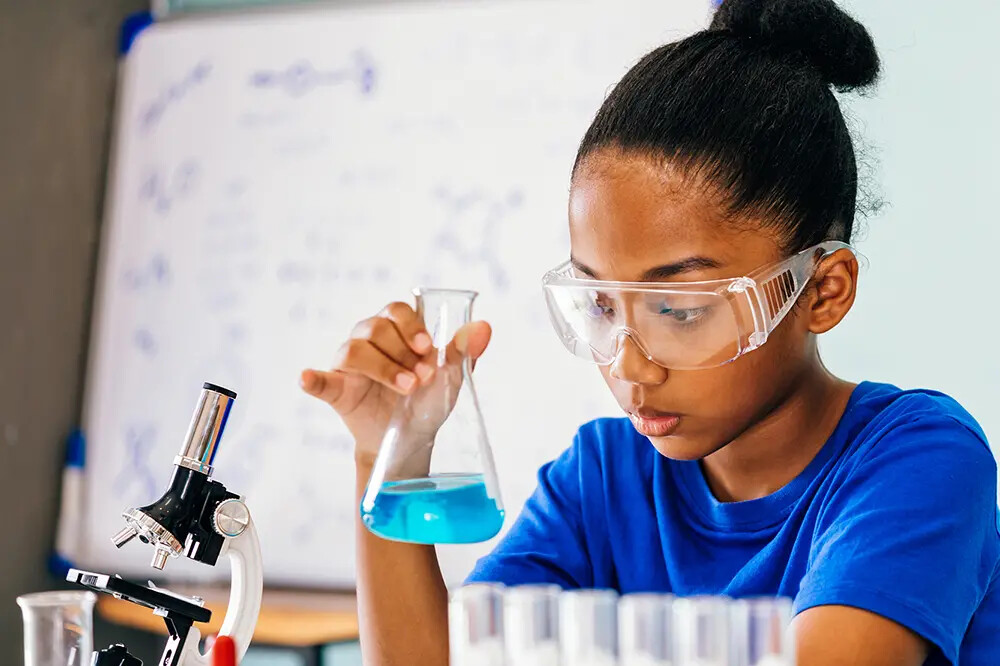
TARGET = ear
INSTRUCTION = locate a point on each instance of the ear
(835, 287)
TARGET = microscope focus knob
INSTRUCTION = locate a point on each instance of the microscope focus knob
(231, 517)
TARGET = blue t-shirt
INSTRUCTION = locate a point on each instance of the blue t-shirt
(897, 514)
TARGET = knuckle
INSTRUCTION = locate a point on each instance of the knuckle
(353, 349)
(398, 310)
(380, 326)
(364, 328)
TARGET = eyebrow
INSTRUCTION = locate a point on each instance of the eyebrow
(659, 272)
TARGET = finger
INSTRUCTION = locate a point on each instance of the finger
(327, 386)
(410, 326)
(363, 358)
(470, 341)
(388, 339)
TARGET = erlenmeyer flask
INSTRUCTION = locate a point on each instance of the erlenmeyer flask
(434, 480)
(58, 628)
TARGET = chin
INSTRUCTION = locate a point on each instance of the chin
(680, 448)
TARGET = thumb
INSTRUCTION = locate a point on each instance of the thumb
(327, 386)
(471, 340)
(478, 335)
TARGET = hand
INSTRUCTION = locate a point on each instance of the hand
(387, 356)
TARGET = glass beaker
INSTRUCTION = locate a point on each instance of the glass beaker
(434, 480)
(58, 628)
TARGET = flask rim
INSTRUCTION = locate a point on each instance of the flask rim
(423, 292)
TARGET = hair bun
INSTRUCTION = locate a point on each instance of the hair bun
(839, 47)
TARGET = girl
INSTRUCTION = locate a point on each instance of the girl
(743, 468)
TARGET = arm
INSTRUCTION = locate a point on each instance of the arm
(841, 635)
(402, 599)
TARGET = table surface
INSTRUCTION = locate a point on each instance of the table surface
(287, 617)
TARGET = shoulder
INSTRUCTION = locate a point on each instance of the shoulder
(882, 419)
(916, 443)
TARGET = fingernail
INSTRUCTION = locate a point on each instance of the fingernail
(424, 371)
(405, 381)
(423, 342)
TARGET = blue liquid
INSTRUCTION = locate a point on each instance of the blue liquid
(445, 508)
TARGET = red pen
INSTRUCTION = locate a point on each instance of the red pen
(224, 652)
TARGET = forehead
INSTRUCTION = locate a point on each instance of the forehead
(629, 213)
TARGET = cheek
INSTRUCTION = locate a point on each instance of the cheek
(734, 395)
(726, 399)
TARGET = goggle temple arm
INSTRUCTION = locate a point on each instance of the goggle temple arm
(772, 293)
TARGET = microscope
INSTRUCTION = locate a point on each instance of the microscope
(199, 518)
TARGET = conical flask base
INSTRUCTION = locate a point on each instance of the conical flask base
(442, 508)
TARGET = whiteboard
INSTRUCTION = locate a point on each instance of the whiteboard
(277, 177)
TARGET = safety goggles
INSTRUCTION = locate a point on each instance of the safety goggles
(678, 325)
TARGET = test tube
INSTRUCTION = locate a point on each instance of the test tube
(770, 641)
(531, 625)
(645, 625)
(701, 636)
(475, 625)
(739, 633)
(588, 628)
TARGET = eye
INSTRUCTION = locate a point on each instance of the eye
(599, 306)
(685, 316)
(689, 316)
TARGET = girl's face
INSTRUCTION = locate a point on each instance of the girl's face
(632, 220)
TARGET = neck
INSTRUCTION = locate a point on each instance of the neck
(775, 450)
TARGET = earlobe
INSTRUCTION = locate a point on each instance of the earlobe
(836, 288)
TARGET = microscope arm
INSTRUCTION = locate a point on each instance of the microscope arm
(245, 593)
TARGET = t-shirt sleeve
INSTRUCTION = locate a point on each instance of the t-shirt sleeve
(546, 544)
(911, 533)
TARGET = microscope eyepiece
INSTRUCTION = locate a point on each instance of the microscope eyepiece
(205, 432)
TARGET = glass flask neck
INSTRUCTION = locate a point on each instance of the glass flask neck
(444, 311)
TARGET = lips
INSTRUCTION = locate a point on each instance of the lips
(654, 424)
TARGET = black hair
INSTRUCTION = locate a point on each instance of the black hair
(748, 106)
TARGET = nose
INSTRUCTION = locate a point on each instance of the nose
(631, 364)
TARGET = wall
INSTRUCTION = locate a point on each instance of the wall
(57, 66)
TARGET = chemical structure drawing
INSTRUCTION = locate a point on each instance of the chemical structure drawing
(153, 112)
(470, 233)
(302, 77)
(162, 190)
(155, 272)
